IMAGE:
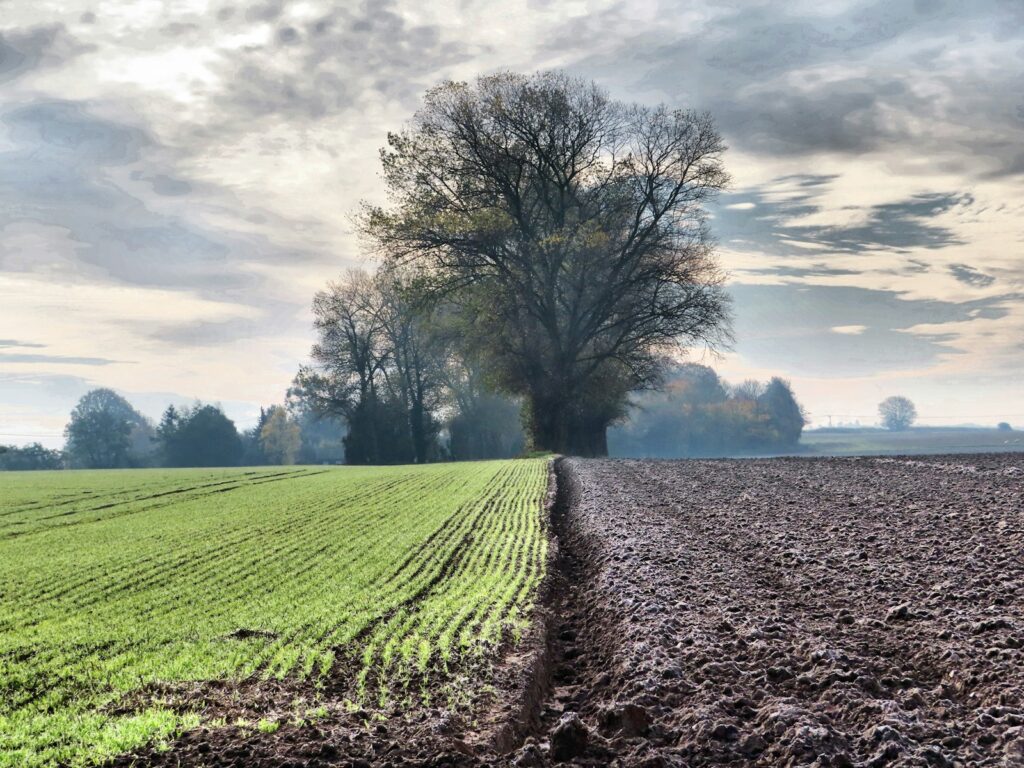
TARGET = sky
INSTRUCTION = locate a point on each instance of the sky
(178, 177)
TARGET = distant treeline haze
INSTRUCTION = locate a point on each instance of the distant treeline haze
(698, 414)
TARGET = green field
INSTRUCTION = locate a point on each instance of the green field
(112, 581)
(854, 442)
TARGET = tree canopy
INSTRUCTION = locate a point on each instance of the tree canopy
(201, 436)
(390, 360)
(280, 437)
(569, 229)
(99, 434)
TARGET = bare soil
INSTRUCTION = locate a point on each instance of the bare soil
(832, 612)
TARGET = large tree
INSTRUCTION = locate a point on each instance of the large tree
(570, 229)
(99, 434)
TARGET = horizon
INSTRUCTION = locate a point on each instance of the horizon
(177, 185)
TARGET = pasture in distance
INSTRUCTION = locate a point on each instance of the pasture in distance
(117, 585)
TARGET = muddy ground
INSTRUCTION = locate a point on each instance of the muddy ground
(831, 612)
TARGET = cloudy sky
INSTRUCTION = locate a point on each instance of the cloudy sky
(177, 176)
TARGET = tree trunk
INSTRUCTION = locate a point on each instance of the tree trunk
(419, 431)
(590, 438)
(555, 425)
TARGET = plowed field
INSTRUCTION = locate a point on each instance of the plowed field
(848, 612)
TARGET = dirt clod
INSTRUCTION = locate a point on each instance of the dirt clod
(569, 738)
(625, 719)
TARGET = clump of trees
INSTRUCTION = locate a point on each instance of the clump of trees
(389, 363)
(566, 234)
(698, 414)
(33, 456)
(106, 432)
(200, 436)
(897, 413)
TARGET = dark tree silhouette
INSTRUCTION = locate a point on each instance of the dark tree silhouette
(33, 456)
(570, 229)
(784, 413)
(201, 436)
(379, 365)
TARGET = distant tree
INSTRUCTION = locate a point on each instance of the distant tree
(697, 414)
(1004, 426)
(378, 364)
(280, 437)
(897, 413)
(698, 384)
(348, 365)
(143, 447)
(416, 354)
(201, 436)
(570, 229)
(167, 435)
(784, 413)
(252, 445)
(482, 423)
(99, 434)
(30, 457)
(749, 390)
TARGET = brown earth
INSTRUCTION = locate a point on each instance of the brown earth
(841, 612)
(832, 612)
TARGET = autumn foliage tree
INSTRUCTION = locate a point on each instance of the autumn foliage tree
(698, 414)
(569, 229)
(280, 437)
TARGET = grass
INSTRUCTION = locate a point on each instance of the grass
(111, 582)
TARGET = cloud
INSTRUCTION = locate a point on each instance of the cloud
(66, 171)
(814, 270)
(934, 85)
(8, 343)
(797, 328)
(23, 50)
(273, 320)
(56, 359)
(768, 218)
(968, 275)
(333, 62)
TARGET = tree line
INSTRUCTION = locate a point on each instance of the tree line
(106, 432)
(698, 414)
(391, 364)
